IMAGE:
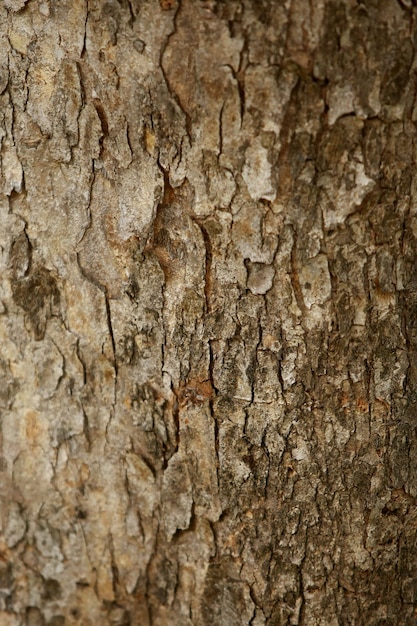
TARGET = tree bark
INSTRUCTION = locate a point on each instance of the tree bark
(208, 324)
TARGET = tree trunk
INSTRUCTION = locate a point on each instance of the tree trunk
(208, 322)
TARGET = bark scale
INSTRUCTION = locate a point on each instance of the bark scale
(208, 313)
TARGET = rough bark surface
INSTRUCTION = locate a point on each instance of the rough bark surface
(208, 326)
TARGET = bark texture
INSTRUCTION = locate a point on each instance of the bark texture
(208, 387)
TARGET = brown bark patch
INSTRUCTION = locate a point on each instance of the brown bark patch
(195, 391)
